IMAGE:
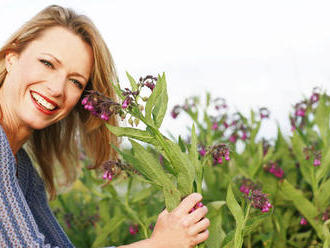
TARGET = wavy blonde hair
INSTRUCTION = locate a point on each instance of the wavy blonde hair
(58, 144)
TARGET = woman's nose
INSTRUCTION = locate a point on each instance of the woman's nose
(56, 86)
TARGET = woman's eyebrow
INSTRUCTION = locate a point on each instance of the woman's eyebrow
(59, 62)
(51, 55)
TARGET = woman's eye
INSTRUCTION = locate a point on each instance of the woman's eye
(76, 82)
(47, 63)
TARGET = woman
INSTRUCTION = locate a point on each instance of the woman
(44, 69)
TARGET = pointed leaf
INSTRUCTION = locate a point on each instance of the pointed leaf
(303, 205)
(131, 133)
(132, 82)
(237, 212)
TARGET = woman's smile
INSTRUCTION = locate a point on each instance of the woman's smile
(44, 104)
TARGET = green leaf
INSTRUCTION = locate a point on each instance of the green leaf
(324, 168)
(160, 108)
(181, 144)
(150, 164)
(119, 93)
(303, 205)
(217, 234)
(326, 234)
(155, 105)
(179, 160)
(139, 167)
(111, 226)
(306, 166)
(131, 133)
(324, 194)
(237, 212)
(143, 194)
(193, 155)
(132, 82)
(157, 175)
(322, 119)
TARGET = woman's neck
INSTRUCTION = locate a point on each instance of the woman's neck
(16, 135)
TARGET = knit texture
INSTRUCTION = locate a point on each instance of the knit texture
(25, 217)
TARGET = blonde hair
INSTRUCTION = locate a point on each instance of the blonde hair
(57, 144)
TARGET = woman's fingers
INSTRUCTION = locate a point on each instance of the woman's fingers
(201, 237)
(199, 227)
(195, 216)
(188, 203)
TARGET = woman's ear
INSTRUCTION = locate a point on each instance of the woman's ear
(10, 60)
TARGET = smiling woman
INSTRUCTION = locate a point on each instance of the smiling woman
(45, 67)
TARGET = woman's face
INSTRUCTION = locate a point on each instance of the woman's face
(47, 79)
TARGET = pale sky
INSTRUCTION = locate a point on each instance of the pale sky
(253, 53)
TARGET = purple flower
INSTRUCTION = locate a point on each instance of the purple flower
(303, 221)
(219, 152)
(215, 126)
(233, 138)
(107, 175)
(175, 111)
(317, 162)
(260, 201)
(104, 116)
(161, 159)
(150, 85)
(225, 124)
(246, 186)
(85, 100)
(275, 169)
(244, 189)
(100, 105)
(244, 136)
(202, 152)
(125, 103)
(264, 113)
(133, 229)
(300, 112)
(198, 205)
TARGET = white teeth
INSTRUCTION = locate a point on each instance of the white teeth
(42, 101)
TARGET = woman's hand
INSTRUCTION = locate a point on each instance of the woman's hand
(181, 228)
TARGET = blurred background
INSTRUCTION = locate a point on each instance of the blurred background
(252, 53)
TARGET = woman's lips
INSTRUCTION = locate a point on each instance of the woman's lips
(43, 109)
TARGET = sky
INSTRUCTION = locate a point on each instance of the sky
(252, 53)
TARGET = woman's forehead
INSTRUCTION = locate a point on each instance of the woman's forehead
(62, 44)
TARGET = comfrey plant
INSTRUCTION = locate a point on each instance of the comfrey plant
(180, 172)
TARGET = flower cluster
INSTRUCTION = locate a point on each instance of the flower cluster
(316, 154)
(238, 128)
(275, 169)
(131, 96)
(100, 105)
(303, 222)
(202, 151)
(247, 185)
(198, 205)
(301, 110)
(111, 168)
(264, 113)
(260, 201)
(219, 152)
(189, 105)
(133, 229)
(220, 103)
(265, 146)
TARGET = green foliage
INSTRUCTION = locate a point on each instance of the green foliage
(98, 214)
